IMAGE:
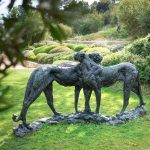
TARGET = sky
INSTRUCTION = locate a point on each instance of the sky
(90, 1)
(4, 4)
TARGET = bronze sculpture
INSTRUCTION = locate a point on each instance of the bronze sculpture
(41, 79)
(87, 75)
(95, 76)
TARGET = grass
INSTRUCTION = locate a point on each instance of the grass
(133, 135)
(105, 33)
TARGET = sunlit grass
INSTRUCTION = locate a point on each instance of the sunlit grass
(133, 135)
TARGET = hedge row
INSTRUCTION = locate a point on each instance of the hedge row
(140, 47)
(142, 64)
(47, 54)
(137, 53)
(101, 50)
(109, 58)
(44, 49)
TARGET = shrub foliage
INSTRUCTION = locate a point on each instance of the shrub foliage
(134, 14)
(137, 53)
(140, 46)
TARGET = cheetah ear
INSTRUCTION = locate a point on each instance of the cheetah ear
(83, 55)
(101, 58)
(90, 55)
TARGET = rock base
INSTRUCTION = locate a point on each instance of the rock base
(81, 117)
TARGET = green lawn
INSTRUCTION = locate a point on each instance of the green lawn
(133, 135)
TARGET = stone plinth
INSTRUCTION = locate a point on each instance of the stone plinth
(81, 117)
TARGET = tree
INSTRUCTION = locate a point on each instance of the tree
(75, 6)
(89, 23)
(93, 6)
(31, 19)
(16, 30)
(134, 14)
(103, 6)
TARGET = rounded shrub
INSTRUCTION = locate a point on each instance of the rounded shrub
(140, 46)
(56, 53)
(71, 46)
(44, 49)
(60, 49)
(113, 59)
(62, 56)
(40, 57)
(30, 56)
(68, 56)
(48, 59)
(118, 57)
(142, 64)
(40, 49)
(58, 56)
(79, 48)
(101, 50)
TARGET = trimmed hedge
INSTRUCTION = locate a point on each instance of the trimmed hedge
(68, 57)
(30, 56)
(101, 50)
(142, 64)
(79, 48)
(44, 49)
(45, 58)
(71, 46)
(40, 57)
(48, 59)
(60, 49)
(56, 52)
(140, 47)
(115, 58)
